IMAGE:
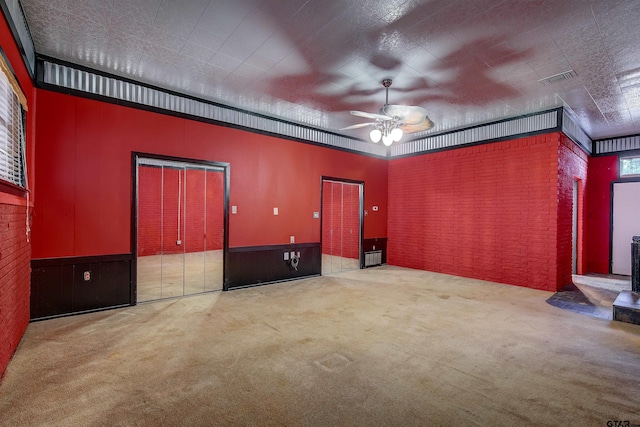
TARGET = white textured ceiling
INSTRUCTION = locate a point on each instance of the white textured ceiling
(312, 61)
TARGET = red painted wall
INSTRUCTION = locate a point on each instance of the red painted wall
(15, 250)
(340, 219)
(602, 172)
(488, 212)
(572, 166)
(200, 197)
(84, 176)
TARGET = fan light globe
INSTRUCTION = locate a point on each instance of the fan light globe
(387, 140)
(375, 135)
(396, 134)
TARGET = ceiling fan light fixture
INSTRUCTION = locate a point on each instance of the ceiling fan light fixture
(396, 134)
(375, 135)
(393, 120)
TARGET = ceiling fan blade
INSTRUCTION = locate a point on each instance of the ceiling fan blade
(408, 114)
(371, 115)
(358, 126)
(426, 124)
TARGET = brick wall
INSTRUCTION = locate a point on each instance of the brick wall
(572, 166)
(488, 212)
(15, 271)
(340, 219)
(158, 210)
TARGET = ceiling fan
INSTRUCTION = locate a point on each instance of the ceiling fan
(393, 121)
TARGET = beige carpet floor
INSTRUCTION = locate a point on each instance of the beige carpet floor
(384, 346)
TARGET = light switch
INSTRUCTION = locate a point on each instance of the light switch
(234, 209)
(292, 239)
(275, 211)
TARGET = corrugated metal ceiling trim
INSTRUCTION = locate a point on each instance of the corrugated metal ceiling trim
(616, 145)
(66, 76)
(533, 123)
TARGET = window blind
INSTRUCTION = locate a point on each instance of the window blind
(12, 137)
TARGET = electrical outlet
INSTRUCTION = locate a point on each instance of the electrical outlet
(286, 256)
(292, 239)
(178, 242)
(87, 276)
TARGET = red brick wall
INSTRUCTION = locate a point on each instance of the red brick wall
(572, 166)
(340, 219)
(15, 271)
(488, 212)
(15, 251)
(602, 172)
(158, 210)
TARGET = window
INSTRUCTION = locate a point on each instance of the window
(12, 138)
(629, 166)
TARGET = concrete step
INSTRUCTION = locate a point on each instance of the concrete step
(626, 308)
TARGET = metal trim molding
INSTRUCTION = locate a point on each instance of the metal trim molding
(547, 120)
(66, 76)
(18, 23)
(94, 83)
(616, 145)
(571, 128)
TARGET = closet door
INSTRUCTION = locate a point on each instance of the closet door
(173, 229)
(214, 230)
(149, 197)
(194, 230)
(350, 226)
(341, 224)
(180, 229)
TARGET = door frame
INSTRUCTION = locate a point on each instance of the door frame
(324, 178)
(617, 181)
(134, 212)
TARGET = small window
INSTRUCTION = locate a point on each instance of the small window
(12, 140)
(630, 166)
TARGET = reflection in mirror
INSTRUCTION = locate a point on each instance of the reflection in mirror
(180, 229)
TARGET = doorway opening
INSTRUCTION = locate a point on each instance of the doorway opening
(624, 224)
(180, 224)
(342, 225)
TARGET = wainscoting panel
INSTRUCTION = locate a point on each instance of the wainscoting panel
(258, 265)
(62, 286)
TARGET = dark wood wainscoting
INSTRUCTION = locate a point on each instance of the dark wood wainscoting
(259, 265)
(62, 286)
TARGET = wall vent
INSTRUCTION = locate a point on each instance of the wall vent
(565, 75)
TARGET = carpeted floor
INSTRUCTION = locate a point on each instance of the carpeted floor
(382, 346)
